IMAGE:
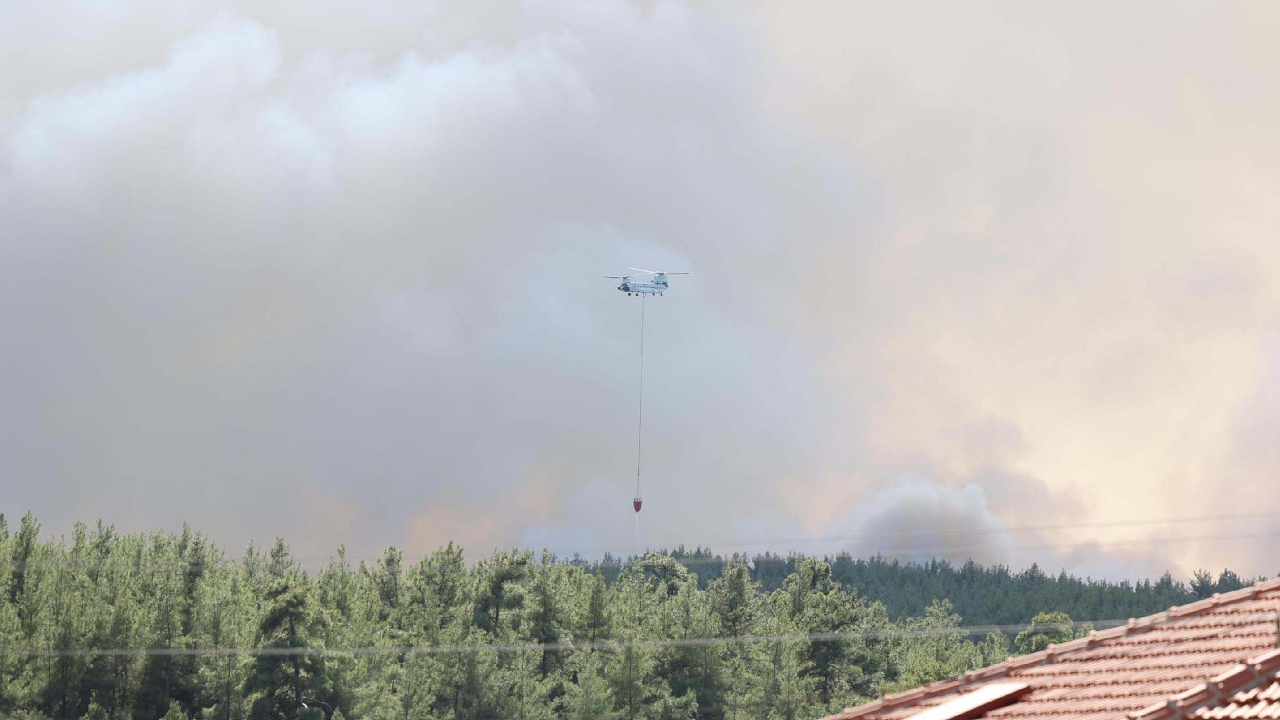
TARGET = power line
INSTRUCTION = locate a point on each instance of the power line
(506, 648)
(908, 552)
(1013, 529)
(878, 548)
(863, 552)
(932, 534)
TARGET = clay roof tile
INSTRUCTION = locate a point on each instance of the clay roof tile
(1208, 660)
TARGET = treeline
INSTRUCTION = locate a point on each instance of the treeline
(982, 595)
(512, 636)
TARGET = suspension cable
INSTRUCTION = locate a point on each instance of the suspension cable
(640, 418)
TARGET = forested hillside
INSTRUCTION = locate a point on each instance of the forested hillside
(982, 595)
(104, 625)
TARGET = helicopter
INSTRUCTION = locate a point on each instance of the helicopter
(654, 286)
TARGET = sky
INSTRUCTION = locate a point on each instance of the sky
(994, 280)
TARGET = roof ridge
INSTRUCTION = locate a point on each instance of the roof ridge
(1054, 652)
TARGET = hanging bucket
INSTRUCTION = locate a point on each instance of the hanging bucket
(635, 503)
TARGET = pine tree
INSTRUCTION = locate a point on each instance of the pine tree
(633, 682)
(501, 588)
(813, 602)
(30, 569)
(733, 598)
(441, 587)
(423, 691)
(772, 679)
(280, 563)
(547, 613)
(281, 682)
(165, 677)
(387, 577)
(588, 696)
(695, 669)
(595, 616)
(12, 695)
(24, 558)
(530, 694)
(68, 619)
(636, 687)
(223, 623)
(468, 678)
(929, 649)
(119, 606)
(1202, 584)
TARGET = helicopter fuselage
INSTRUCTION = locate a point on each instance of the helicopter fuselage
(643, 288)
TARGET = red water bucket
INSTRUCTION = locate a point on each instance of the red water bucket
(635, 503)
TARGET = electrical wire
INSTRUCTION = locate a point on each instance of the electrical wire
(980, 532)
(507, 648)
(864, 552)
(1012, 529)
(878, 548)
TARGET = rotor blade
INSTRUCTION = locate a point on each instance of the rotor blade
(618, 277)
(643, 271)
(671, 273)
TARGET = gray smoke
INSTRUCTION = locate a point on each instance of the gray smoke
(334, 272)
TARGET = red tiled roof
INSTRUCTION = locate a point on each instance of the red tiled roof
(1262, 701)
(1183, 664)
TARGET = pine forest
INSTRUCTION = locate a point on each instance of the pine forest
(109, 626)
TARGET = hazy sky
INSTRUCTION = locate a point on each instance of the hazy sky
(963, 274)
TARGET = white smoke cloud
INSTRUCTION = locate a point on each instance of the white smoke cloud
(333, 272)
(253, 281)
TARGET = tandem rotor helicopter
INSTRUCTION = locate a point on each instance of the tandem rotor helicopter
(654, 286)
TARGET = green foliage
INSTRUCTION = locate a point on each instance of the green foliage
(669, 636)
(777, 682)
(1202, 584)
(595, 614)
(1048, 629)
(990, 595)
(931, 648)
(281, 683)
(993, 649)
(732, 596)
(588, 697)
(175, 712)
(95, 712)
